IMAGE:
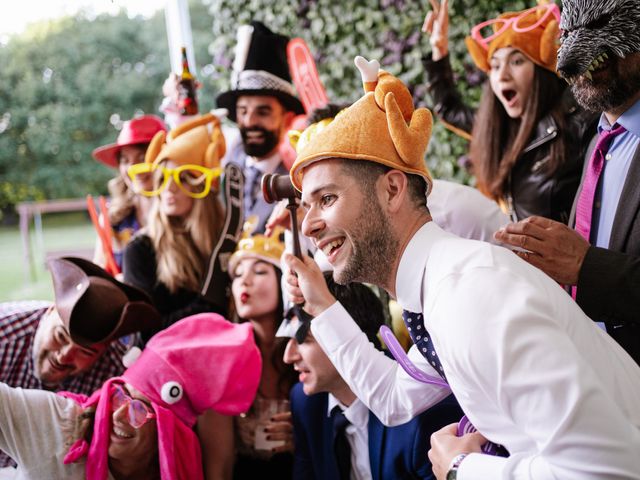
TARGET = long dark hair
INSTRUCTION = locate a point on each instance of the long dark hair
(498, 140)
(287, 376)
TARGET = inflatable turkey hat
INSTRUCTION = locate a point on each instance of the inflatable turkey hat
(201, 362)
(382, 127)
(195, 142)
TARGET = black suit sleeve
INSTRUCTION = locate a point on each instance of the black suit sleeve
(609, 286)
(139, 270)
(447, 102)
(139, 264)
(430, 421)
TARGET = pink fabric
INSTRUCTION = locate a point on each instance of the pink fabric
(79, 449)
(217, 365)
(215, 361)
(584, 206)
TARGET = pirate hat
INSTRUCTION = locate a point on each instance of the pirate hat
(94, 306)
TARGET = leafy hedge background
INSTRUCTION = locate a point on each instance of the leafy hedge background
(388, 30)
(66, 86)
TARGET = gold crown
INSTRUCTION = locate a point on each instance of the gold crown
(267, 248)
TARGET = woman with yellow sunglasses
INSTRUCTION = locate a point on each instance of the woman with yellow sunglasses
(169, 256)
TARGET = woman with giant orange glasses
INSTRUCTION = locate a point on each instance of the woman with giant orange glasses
(528, 136)
(169, 257)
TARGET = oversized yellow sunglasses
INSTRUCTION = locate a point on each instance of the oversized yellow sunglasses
(194, 180)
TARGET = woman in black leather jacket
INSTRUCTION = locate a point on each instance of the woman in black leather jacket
(528, 136)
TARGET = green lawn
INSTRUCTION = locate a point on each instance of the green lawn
(67, 233)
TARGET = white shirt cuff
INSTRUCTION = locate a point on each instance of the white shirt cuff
(478, 466)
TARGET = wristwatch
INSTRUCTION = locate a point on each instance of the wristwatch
(452, 473)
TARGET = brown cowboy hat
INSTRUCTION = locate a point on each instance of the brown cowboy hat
(94, 306)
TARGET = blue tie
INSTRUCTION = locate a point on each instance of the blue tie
(252, 177)
(421, 339)
(341, 446)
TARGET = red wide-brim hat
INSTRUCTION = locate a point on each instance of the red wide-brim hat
(134, 132)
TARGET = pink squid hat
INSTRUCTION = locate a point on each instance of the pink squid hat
(201, 362)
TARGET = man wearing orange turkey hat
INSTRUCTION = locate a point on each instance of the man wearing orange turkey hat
(550, 394)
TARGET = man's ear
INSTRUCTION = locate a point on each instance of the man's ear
(393, 188)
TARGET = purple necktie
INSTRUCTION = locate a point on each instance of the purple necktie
(584, 207)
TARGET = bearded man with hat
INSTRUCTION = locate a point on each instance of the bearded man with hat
(71, 344)
(530, 370)
(262, 102)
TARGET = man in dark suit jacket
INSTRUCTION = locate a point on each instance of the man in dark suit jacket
(394, 452)
(605, 267)
(376, 451)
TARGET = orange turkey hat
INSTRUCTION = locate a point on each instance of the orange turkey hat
(382, 127)
(196, 142)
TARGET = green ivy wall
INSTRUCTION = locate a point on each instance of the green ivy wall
(389, 30)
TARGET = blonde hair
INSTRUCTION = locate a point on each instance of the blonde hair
(183, 245)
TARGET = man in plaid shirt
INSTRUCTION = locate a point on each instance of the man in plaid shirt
(24, 325)
(73, 344)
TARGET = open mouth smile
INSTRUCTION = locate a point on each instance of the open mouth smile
(121, 433)
(510, 96)
(255, 137)
(58, 366)
(331, 248)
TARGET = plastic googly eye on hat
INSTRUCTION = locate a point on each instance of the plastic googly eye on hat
(171, 392)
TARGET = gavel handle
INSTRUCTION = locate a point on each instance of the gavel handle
(293, 207)
(293, 213)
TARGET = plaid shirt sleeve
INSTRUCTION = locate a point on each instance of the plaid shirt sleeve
(18, 324)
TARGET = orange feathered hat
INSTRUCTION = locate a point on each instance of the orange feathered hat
(382, 127)
(535, 32)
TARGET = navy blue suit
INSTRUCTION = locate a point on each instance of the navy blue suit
(394, 452)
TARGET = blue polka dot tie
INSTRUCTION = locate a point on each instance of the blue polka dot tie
(421, 339)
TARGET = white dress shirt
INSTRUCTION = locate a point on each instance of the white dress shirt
(529, 368)
(357, 435)
(464, 211)
(265, 165)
